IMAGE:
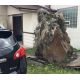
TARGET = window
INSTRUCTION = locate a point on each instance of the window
(67, 23)
(70, 15)
(5, 33)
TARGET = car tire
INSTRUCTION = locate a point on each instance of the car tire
(23, 66)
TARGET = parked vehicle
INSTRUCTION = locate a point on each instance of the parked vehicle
(12, 55)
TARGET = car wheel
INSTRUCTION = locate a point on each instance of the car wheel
(23, 66)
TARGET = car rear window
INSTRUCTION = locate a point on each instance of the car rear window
(5, 34)
(6, 39)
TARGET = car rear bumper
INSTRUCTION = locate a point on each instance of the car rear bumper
(18, 66)
(14, 72)
(9, 66)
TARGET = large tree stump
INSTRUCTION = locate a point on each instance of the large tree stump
(52, 42)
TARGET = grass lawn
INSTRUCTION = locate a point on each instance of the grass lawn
(49, 69)
(36, 68)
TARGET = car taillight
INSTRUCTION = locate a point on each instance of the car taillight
(19, 53)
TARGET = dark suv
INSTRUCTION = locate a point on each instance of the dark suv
(12, 55)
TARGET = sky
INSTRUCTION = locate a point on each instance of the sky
(60, 6)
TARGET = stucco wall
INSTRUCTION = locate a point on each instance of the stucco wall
(3, 15)
(29, 24)
(11, 10)
(74, 33)
(10, 23)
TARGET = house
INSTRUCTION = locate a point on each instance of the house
(22, 20)
(72, 20)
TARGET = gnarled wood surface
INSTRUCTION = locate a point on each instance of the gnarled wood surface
(52, 42)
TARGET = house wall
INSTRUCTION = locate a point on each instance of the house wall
(3, 15)
(10, 23)
(74, 33)
(29, 24)
(12, 11)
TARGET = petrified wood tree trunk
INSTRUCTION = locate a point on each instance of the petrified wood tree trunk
(51, 39)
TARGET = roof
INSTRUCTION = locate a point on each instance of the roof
(32, 7)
